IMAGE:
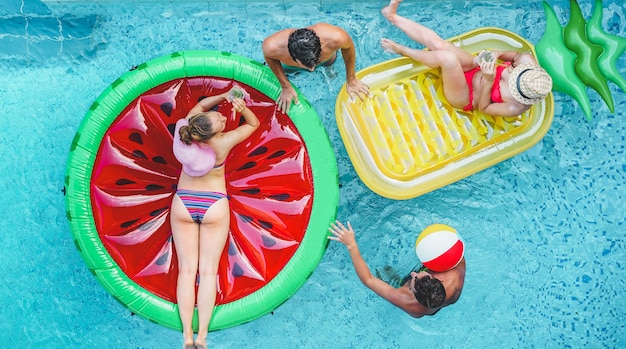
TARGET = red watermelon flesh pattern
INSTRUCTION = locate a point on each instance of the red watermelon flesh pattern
(268, 178)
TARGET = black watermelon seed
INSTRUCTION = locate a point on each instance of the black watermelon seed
(280, 197)
(246, 219)
(259, 151)
(171, 128)
(163, 259)
(146, 226)
(167, 108)
(128, 223)
(139, 154)
(153, 187)
(135, 137)
(232, 249)
(159, 159)
(157, 212)
(252, 191)
(237, 271)
(124, 181)
(266, 225)
(277, 154)
(268, 241)
(248, 165)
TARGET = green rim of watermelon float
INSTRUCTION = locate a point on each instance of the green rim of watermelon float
(121, 176)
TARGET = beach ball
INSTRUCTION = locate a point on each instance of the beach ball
(439, 247)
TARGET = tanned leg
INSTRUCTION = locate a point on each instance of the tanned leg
(186, 241)
(213, 237)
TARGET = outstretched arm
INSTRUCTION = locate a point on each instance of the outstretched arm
(207, 103)
(354, 86)
(288, 93)
(345, 235)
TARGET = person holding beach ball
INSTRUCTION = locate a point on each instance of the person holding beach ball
(435, 285)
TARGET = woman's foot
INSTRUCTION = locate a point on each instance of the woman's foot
(200, 343)
(188, 342)
(391, 46)
(390, 10)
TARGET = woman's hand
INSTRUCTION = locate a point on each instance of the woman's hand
(343, 234)
(484, 56)
(234, 93)
(489, 70)
(238, 105)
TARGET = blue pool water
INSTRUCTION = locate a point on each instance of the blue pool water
(545, 231)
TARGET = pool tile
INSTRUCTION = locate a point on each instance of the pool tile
(45, 27)
(34, 7)
(12, 46)
(77, 27)
(14, 25)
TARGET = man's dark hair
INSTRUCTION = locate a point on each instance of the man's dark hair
(429, 292)
(304, 46)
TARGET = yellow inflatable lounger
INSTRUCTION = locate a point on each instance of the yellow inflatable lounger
(405, 140)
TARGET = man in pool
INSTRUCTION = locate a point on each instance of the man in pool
(305, 49)
(424, 293)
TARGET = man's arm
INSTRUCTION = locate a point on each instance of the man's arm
(354, 86)
(346, 236)
(271, 49)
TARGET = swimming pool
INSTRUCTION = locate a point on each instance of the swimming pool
(545, 231)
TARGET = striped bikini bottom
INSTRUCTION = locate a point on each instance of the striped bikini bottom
(198, 202)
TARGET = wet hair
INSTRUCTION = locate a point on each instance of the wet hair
(200, 129)
(304, 46)
(429, 292)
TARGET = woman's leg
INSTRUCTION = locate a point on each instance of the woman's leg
(213, 236)
(424, 35)
(453, 77)
(186, 241)
(452, 61)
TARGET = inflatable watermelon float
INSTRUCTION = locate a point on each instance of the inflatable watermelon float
(122, 174)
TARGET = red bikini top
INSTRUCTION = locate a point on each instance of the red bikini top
(496, 97)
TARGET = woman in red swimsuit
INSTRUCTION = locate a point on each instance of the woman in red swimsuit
(508, 89)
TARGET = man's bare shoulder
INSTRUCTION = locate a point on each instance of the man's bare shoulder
(276, 43)
(331, 35)
(405, 300)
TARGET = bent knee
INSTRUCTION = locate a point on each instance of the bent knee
(447, 58)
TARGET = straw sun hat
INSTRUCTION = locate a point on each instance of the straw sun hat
(529, 83)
